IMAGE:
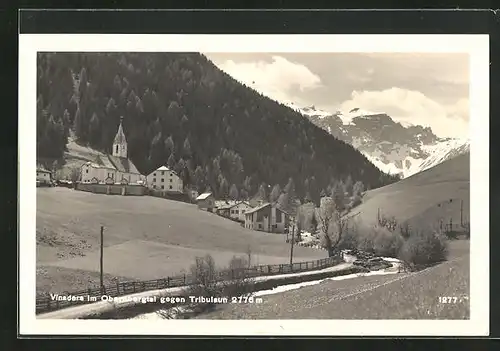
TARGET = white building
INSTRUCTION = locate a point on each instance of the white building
(43, 176)
(166, 179)
(115, 168)
(235, 210)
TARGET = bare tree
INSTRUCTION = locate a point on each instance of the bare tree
(300, 222)
(74, 174)
(332, 225)
(249, 255)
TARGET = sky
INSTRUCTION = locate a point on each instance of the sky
(428, 89)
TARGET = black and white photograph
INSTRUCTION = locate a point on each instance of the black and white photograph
(255, 183)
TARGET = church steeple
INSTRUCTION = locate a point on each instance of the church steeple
(120, 143)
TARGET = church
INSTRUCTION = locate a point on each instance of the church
(113, 169)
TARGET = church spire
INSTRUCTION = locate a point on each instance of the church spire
(120, 143)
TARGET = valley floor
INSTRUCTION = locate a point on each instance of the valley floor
(144, 238)
(398, 296)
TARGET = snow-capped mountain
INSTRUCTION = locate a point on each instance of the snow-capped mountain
(394, 147)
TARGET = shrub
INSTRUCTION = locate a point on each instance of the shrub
(379, 241)
(349, 240)
(208, 281)
(423, 248)
(405, 230)
(386, 243)
(204, 277)
(239, 282)
(386, 222)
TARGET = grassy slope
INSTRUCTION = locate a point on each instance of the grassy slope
(145, 238)
(400, 296)
(76, 156)
(424, 198)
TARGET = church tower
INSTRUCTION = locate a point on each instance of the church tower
(120, 144)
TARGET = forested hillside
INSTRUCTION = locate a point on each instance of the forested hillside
(179, 109)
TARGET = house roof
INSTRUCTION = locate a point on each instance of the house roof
(225, 205)
(203, 196)
(121, 164)
(42, 170)
(258, 208)
(164, 168)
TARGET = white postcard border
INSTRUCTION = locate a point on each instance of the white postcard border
(476, 45)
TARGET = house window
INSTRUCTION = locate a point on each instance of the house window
(260, 226)
(154, 174)
(170, 180)
(170, 186)
(242, 211)
(162, 180)
(236, 211)
(278, 216)
(116, 149)
(162, 187)
(154, 186)
(154, 180)
(162, 172)
(87, 170)
(170, 174)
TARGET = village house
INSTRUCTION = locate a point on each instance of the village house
(235, 210)
(165, 179)
(113, 169)
(43, 176)
(267, 217)
(206, 201)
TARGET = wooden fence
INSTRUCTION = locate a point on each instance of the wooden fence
(44, 303)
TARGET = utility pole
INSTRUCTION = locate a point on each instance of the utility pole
(461, 213)
(291, 244)
(101, 260)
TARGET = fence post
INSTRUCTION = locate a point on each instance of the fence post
(117, 288)
(134, 286)
(168, 282)
(184, 278)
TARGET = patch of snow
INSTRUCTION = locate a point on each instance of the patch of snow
(406, 124)
(346, 120)
(442, 151)
(288, 287)
(359, 113)
(389, 168)
(162, 314)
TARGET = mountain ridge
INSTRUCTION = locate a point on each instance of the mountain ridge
(394, 147)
